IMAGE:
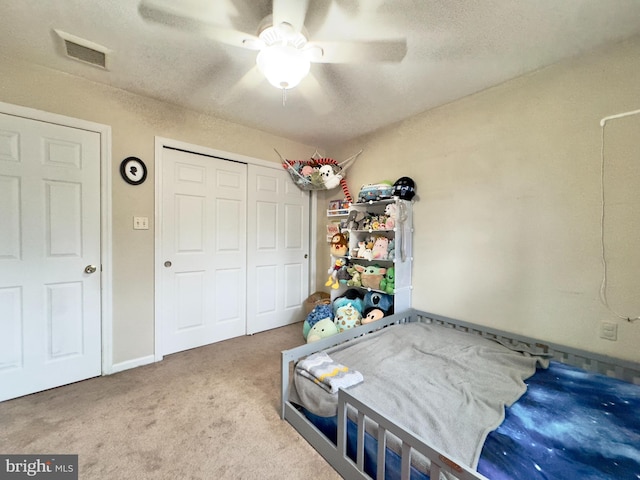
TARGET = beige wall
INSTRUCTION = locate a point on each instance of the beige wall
(507, 225)
(508, 216)
(134, 121)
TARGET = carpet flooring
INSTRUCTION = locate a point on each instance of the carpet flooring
(207, 413)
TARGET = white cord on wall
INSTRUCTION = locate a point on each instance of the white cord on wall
(603, 285)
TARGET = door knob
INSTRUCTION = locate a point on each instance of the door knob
(167, 264)
(90, 269)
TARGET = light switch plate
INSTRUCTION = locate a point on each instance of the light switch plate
(141, 223)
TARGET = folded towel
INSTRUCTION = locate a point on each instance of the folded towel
(330, 375)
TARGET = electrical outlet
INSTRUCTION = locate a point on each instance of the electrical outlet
(609, 331)
(141, 223)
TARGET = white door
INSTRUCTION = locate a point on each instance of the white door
(50, 324)
(278, 254)
(203, 250)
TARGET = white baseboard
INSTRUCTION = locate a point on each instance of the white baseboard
(136, 362)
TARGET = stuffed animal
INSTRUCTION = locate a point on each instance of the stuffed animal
(323, 329)
(391, 253)
(378, 300)
(347, 317)
(355, 219)
(329, 177)
(371, 275)
(388, 283)
(316, 179)
(307, 171)
(371, 314)
(339, 245)
(366, 223)
(365, 250)
(318, 313)
(355, 280)
(391, 211)
(377, 223)
(380, 248)
(333, 281)
(352, 296)
(343, 275)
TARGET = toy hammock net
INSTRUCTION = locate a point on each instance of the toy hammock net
(310, 174)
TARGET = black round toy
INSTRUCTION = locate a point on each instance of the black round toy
(404, 188)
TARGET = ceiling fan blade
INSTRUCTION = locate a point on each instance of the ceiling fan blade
(292, 12)
(315, 95)
(173, 18)
(358, 52)
(249, 82)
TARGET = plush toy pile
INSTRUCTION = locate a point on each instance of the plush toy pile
(319, 173)
(350, 310)
(358, 220)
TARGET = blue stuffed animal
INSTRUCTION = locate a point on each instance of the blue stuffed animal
(352, 296)
(319, 312)
(378, 300)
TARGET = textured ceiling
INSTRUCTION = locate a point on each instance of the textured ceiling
(454, 48)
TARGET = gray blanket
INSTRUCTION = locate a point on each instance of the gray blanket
(446, 386)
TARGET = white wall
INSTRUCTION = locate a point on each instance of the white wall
(508, 217)
(135, 121)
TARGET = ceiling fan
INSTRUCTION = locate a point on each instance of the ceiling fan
(285, 52)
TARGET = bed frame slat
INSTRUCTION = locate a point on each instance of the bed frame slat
(360, 446)
(382, 451)
(405, 469)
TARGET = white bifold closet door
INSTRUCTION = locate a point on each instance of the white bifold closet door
(234, 244)
(204, 250)
(278, 250)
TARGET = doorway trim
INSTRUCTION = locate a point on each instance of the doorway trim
(162, 142)
(106, 237)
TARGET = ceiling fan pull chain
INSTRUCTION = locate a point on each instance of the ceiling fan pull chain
(284, 96)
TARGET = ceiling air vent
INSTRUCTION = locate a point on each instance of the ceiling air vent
(84, 50)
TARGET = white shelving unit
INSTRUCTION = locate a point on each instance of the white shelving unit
(402, 233)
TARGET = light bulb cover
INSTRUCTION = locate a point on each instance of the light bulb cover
(284, 66)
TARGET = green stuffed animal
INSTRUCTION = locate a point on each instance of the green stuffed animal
(323, 329)
(388, 283)
(354, 281)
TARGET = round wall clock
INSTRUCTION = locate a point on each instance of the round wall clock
(133, 170)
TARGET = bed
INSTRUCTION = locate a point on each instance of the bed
(486, 404)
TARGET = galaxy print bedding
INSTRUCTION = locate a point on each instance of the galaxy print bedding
(570, 424)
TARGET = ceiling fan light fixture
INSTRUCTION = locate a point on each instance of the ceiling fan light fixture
(284, 66)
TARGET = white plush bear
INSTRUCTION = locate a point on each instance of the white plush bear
(329, 178)
(391, 211)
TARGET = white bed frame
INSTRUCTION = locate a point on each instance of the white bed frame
(440, 462)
